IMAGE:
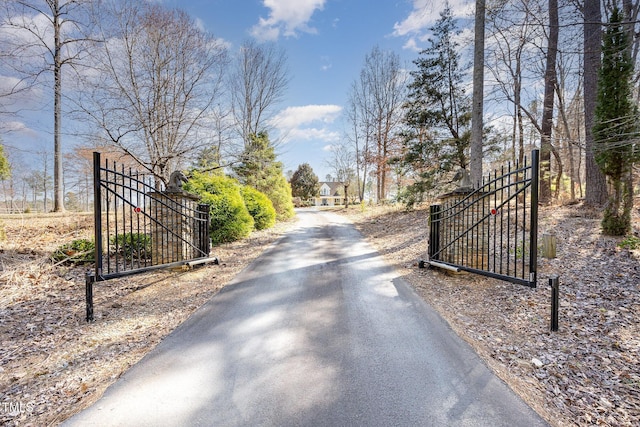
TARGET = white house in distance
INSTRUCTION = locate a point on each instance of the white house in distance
(331, 194)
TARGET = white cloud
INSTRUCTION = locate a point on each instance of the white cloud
(308, 122)
(16, 128)
(312, 134)
(9, 84)
(425, 13)
(293, 117)
(411, 44)
(286, 17)
(326, 63)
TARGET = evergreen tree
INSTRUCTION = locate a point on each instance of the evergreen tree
(304, 183)
(438, 113)
(209, 160)
(5, 167)
(616, 125)
(262, 171)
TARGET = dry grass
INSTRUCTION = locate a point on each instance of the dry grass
(587, 373)
(53, 363)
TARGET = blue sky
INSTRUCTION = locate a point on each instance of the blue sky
(325, 41)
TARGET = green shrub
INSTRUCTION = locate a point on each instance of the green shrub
(280, 195)
(260, 208)
(80, 251)
(230, 219)
(132, 245)
(630, 242)
(615, 223)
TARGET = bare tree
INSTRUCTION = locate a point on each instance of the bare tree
(49, 35)
(257, 82)
(156, 80)
(379, 96)
(342, 163)
(359, 132)
(477, 108)
(550, 82)
(509, 51)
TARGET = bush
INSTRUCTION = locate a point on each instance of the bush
(230, 219)
(260, 208)
(132, 245)
(280, 195)
(80, 251)
(630, 242)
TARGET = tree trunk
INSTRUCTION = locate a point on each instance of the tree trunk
(58, 192)
(596, 187)
(475, 165)
(547, 107)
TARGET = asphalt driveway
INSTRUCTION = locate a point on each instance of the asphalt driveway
(318, 331)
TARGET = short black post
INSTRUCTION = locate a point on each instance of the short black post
(554, 282)
(89, 280)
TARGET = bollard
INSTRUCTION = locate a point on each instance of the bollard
(554, 282)
(89, 280)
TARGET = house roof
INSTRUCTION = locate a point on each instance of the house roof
(333, 187)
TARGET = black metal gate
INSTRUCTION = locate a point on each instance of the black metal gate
(493, 230)
(139, 229)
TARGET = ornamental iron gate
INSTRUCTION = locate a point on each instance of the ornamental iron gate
(140, 229)
(493, 230)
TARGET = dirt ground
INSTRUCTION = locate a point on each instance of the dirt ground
(586, 373)
(53, 363)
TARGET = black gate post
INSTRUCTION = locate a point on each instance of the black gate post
(97, 221)
(434, 232)
(533, 229)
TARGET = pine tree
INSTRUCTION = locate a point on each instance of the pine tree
(616, 126)
(261, 170)
(438, 113)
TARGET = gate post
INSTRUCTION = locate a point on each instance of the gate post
(172, 236)
(434, 232)
(91, 277)
(533, 229)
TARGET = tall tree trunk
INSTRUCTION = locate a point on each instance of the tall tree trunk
(547, 107)
(58, 192)
(596, 187)
(477, 108)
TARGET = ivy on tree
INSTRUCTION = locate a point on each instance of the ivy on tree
(616, 126)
